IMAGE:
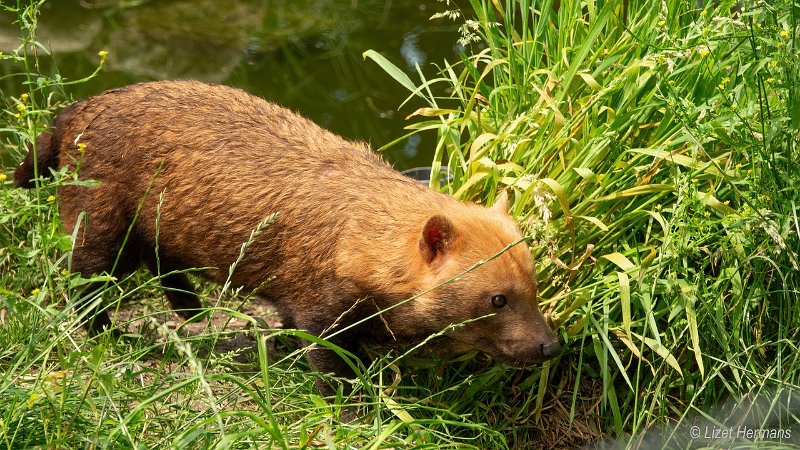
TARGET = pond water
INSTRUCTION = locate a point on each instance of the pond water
(303, 54)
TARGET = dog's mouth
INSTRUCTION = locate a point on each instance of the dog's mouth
(517, 362)
(448, 345)
(518, 359)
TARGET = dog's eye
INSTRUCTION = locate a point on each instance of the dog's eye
(498, 301)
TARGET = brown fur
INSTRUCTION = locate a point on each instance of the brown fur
(352, 236)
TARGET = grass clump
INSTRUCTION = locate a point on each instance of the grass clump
(652, 151)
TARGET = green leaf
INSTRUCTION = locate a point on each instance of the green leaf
(661, 351)
(393, 71)
(620, 260)
(475, 149)
(611, 350)
(560, 195)
(589, 79)
(694, 333)
(595, 221)
(625, 300)
(638, 190)
(431, 112)
(714, 203)
(585, 173)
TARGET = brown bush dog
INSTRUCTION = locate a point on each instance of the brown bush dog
(352, 235)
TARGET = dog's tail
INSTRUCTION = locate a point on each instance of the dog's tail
(37, 162)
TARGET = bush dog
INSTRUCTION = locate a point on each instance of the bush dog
(200, 167)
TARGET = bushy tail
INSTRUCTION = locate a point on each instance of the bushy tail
(46, 158)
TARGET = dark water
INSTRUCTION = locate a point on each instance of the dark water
(302, 54)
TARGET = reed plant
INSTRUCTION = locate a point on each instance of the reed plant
(652, 151)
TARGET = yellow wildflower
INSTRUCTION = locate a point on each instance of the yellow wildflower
(51, 198)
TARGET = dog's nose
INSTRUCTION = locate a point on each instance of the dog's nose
(551, 349)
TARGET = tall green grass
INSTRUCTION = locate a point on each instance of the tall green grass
(651, 149)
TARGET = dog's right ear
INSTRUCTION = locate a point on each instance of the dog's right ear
(437, 237)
